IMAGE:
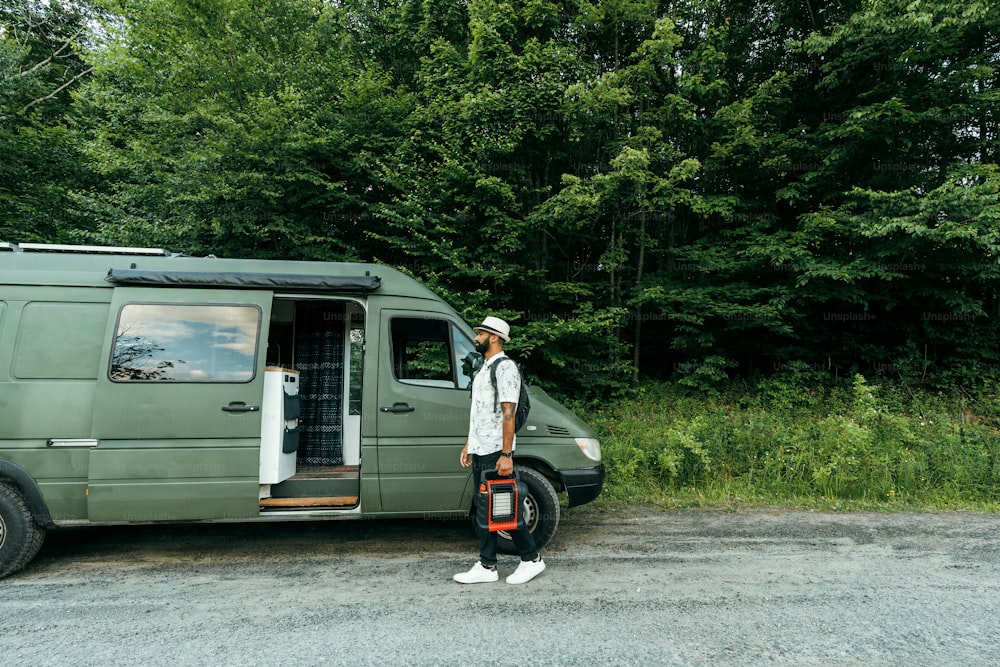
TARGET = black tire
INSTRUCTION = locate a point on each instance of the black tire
(542, 511)
(20, 536)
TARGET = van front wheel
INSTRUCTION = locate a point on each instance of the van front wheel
(541, 509)
(20, 537)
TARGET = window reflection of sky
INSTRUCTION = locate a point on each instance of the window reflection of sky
(198, 343)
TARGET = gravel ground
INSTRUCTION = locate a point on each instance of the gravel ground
(639, 586)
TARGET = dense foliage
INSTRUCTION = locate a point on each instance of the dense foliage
(786, 440)
(41, 164)
(694, 189)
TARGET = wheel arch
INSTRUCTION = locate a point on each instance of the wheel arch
(544, 469)
(14, 474)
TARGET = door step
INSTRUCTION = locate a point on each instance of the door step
(298, 503)
(327, 472)
(317, 486)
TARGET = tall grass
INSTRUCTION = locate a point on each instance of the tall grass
(791, 442)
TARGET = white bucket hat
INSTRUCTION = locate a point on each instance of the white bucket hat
(496, 326)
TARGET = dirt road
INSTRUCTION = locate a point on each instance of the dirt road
(623, 588)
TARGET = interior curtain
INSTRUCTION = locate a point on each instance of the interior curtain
(319, 358)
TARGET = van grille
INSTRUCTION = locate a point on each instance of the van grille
(557, 430)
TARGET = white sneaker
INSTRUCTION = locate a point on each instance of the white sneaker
(526, 571)
(477, 575)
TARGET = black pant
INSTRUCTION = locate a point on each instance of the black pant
(523, 541)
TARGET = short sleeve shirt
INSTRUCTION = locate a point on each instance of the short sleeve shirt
(485, 423)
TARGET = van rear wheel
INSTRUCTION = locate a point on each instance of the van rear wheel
(541, 509)
(20, 536)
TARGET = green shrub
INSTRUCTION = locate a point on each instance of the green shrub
(788, 440)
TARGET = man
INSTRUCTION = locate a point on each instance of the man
(491, 445)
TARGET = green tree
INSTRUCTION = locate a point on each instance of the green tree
(894, 238)
(237, 127)
(490, 134)
(40, 66)
(810, 145)
(641, 187)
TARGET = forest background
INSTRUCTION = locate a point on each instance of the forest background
(755, 242)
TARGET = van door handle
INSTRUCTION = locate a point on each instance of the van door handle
(397, 407)
(240, 407)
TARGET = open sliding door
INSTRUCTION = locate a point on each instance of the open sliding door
(177, 415)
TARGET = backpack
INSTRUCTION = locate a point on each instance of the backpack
(523, 404)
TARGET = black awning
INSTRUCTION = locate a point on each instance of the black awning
(240, 280)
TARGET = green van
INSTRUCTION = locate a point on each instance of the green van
(140, 386)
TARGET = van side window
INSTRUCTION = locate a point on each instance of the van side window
(421, 352)
(185, 343)
(57, 340)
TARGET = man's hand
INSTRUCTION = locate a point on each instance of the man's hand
(505, 466)
(464, 457)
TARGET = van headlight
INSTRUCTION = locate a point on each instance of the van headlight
(591, 448)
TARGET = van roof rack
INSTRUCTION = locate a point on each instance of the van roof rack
(86, 249)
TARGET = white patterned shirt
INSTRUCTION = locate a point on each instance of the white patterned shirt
(485, 424)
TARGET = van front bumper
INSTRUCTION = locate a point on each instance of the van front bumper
(582, 484)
